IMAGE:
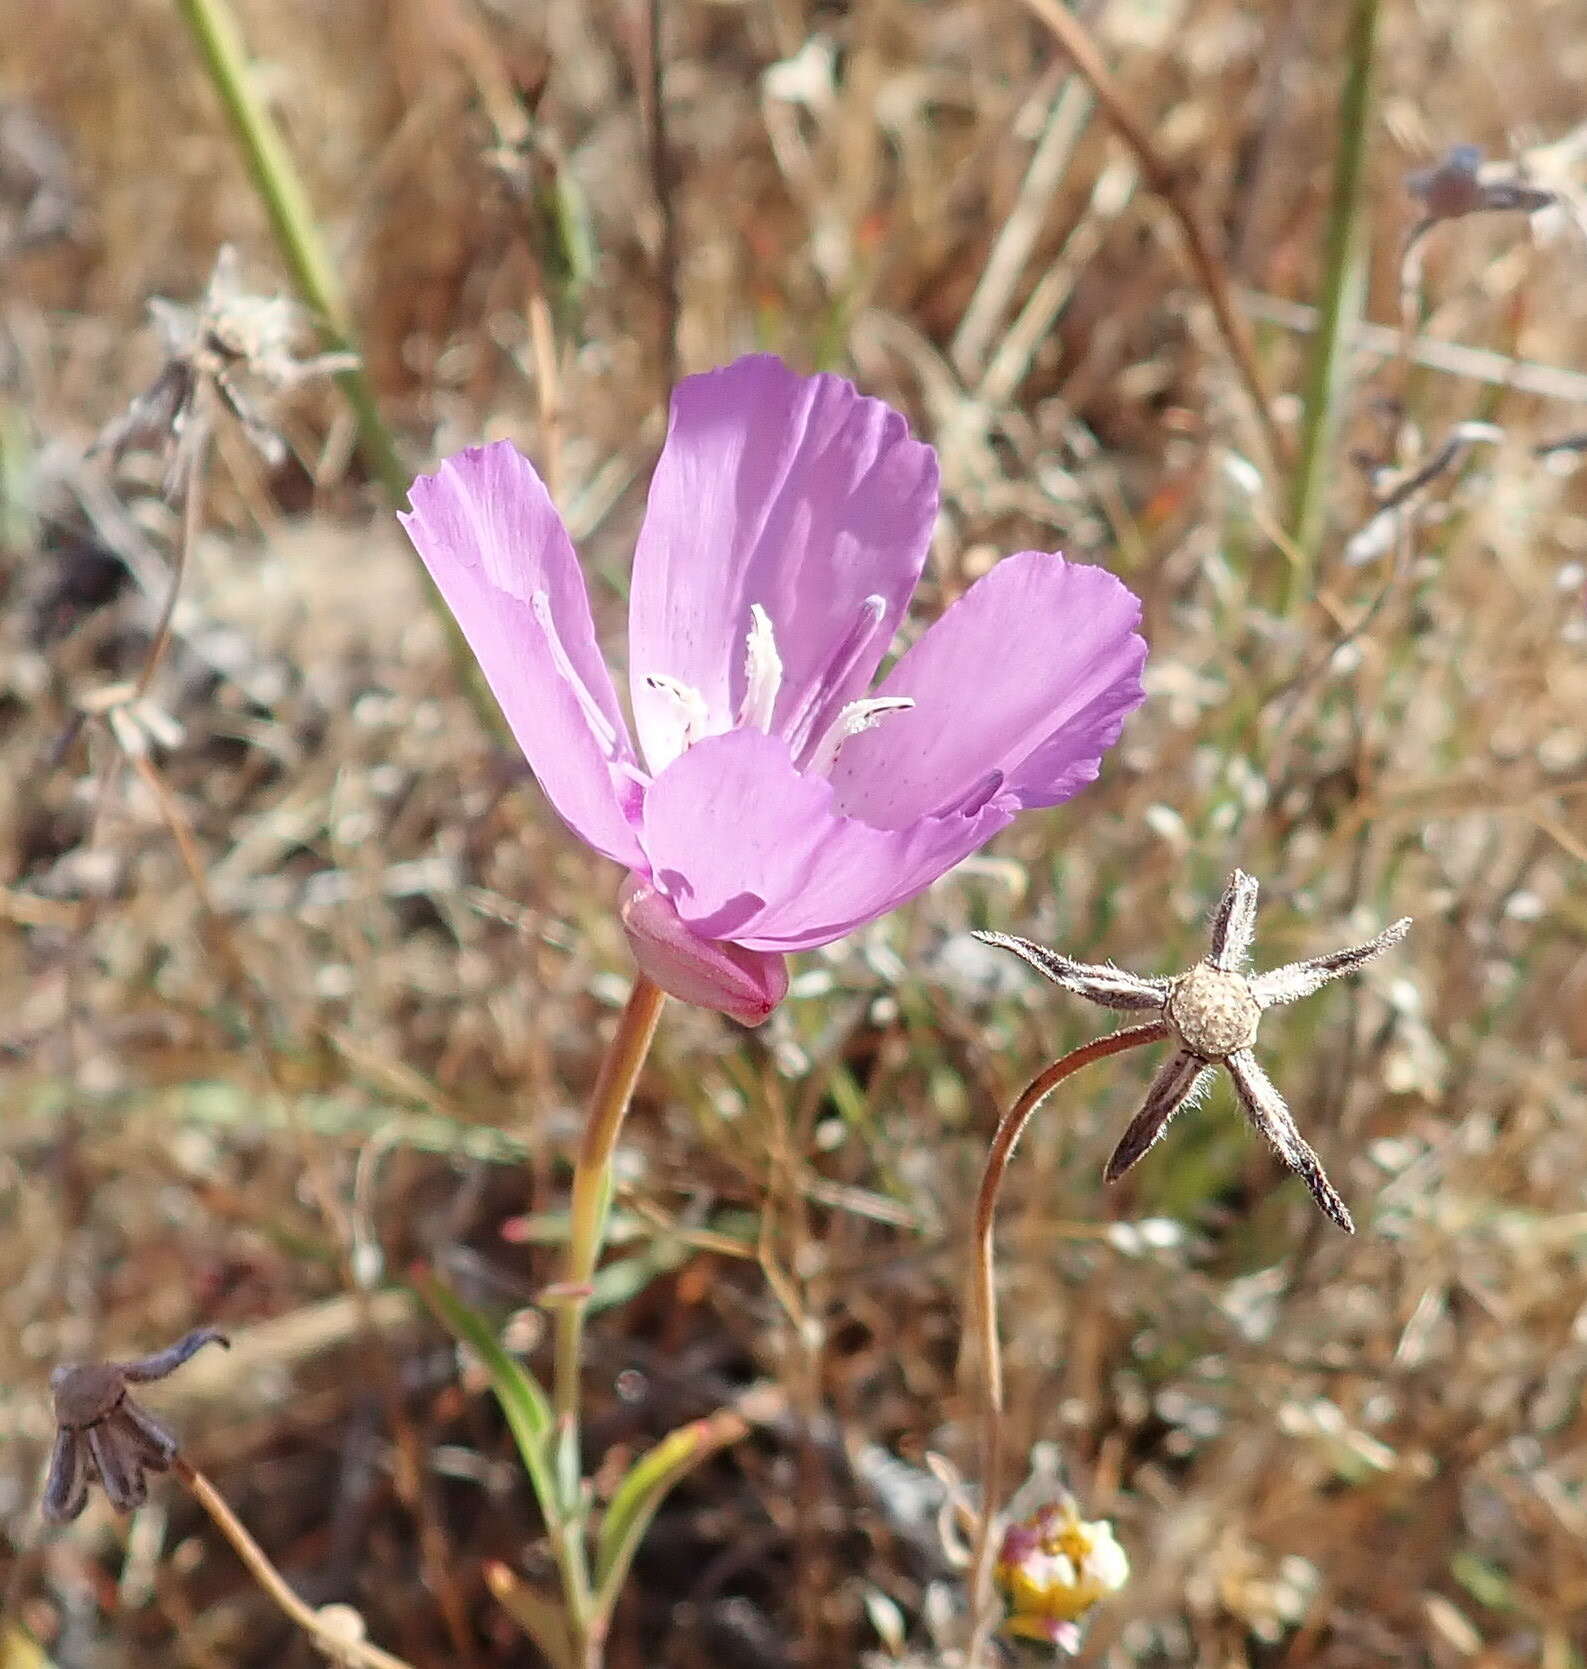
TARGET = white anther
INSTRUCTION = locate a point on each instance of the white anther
(693, 713)
(858, 716)
(762, 673)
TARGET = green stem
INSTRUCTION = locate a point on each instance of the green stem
(1340, 303)
(592, 1187)
(592, 1194)
(214, 30)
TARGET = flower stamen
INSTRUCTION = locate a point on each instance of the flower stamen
(857, 717)
(693, 712)
(805, 721)
(762, 673)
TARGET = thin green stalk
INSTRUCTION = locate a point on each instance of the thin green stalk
(1340, 305)
(592, 1195)
(215, 32)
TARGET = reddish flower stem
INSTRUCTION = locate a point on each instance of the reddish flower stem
(983, 1301)
(592, 1183)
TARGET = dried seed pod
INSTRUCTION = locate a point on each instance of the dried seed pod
(1213, 1011)
(101, 1432)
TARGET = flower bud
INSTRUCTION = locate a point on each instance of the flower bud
(710, 973)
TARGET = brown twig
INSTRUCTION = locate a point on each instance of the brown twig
(342, 1648)
(409, 1468)
(983, 1300)
(548, 383)
(110, 774)
(192, 515)
(1161, 178)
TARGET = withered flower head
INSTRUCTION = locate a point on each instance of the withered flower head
(37, 201)
(1213, 1012)
(209, 347)
(1457, 185)
(101, 1432)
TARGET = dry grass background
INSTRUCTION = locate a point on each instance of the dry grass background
(1319, 1451)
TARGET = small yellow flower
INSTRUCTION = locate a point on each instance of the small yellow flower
(1052, 1568)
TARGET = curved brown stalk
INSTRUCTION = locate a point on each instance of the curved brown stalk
(983, 1300)
(337, 1646)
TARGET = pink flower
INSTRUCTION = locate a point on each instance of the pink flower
(775, 801)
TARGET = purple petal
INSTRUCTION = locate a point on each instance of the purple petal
(500, 556)
(66, 1484)
(1031, 673)
(746, 984)
(749, 850)
(792, 492)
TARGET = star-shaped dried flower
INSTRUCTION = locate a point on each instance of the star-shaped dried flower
(101, 1432)
(1213, 1012)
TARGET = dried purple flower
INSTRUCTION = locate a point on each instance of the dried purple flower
(1456, 185)
(1213, 1011)
(101, 1432)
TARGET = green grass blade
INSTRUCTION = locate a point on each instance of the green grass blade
(645, 1487)
(526, 1406)
(537, 1614)
(1340, 304)
(218, 38)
